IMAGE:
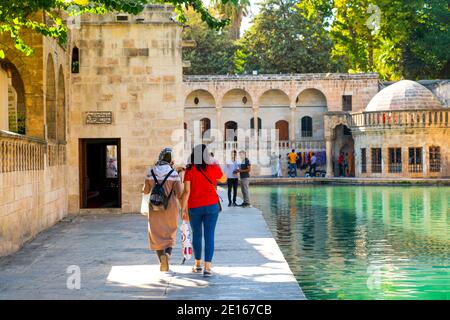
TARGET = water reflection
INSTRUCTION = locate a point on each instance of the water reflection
(363, 242)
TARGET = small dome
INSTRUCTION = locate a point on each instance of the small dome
(404, 95)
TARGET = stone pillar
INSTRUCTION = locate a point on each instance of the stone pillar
(255, 123)
(293, 123)
(329, 150)
(425, 160)
(4, 82)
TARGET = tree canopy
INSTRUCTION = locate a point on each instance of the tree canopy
(396, 38)
(214, 50)
(282, 40)
(17, 15)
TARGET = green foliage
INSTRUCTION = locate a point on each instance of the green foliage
(17, 15)
(282, 40)
(235, 11)
(400, 38)
(214, 51)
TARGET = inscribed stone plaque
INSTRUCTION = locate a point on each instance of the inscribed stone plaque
(99, 117)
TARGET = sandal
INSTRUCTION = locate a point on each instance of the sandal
(196, 269)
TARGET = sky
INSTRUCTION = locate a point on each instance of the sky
(246, 23)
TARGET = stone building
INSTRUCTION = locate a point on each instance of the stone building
(80, 123)
(322, 113)
(403, 132)
(295, 105)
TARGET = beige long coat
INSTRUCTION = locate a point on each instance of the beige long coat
(162, 225)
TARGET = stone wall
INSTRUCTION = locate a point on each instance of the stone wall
(32, 189)
(133, 69)
(404, 139)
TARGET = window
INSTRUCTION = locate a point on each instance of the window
(395, 160)
(347, 103)
(415, 160)
(307, 127)
(205, 126)
(363, 160)
(252, 125)
(435, 159)
(75, 60)
(196, 100)
(376, 160)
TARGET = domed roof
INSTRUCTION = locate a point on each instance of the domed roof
(404, 95)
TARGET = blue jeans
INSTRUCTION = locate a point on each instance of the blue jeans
(292, 169)
(203, 219)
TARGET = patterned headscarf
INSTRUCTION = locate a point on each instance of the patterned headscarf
(162, 154)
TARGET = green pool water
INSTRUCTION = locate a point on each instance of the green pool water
(351, 242)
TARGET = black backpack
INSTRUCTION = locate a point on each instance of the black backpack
(158, 198)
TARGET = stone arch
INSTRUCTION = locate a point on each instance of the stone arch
(13, 95)
(61, 105)
(200, 98)
(237, 98)
(50, 99)
(311, 97)
(274, 98)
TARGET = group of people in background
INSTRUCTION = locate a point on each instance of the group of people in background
(298, 161)
(236, 169)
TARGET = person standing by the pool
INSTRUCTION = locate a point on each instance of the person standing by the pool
(200, 204)
(313, 165)
(279, 167)
(292, 163)
(244, 172)
(341, 163)
(231, 171)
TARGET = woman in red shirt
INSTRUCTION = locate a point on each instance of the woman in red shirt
(200, 204)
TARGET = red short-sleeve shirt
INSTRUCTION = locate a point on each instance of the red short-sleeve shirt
(202, 192)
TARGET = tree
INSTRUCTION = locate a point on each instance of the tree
(214, 50)
(282, 40)
(400, 38)
(235, 11)
(19, 15)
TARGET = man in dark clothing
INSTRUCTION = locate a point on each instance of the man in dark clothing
(244, 172)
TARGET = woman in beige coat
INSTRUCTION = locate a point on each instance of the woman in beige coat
(163, 222)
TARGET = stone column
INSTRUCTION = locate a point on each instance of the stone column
(425, 160)
(255, 123)
(293, 123)
(4, 82)
(329, 150)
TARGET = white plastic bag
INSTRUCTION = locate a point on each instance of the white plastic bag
(186, 241)
(145, 204)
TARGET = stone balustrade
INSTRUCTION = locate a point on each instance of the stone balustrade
(23, 153)
(298, 145)
(408, 118)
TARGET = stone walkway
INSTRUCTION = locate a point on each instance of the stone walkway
(114, 263)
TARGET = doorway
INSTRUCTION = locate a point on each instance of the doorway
(344, 144)
(100, 173)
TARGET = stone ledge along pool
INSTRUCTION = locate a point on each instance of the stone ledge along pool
(362, 242)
